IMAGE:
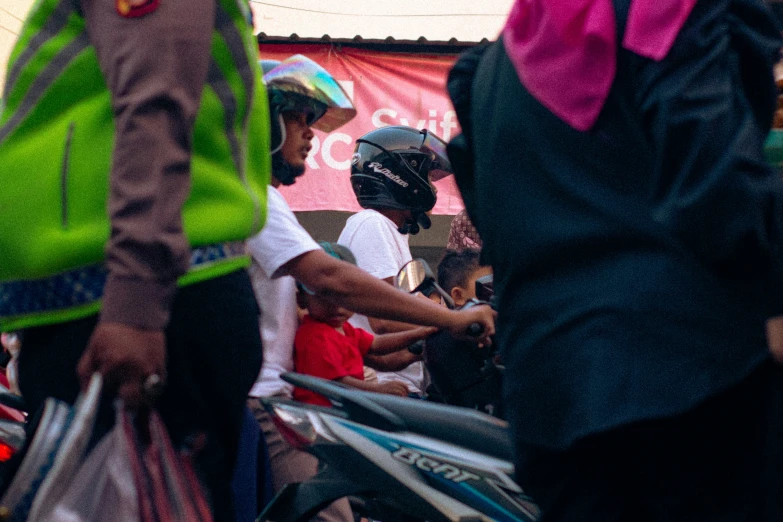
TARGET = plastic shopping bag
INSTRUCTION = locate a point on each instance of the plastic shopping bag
(70, 454)
(51, 455)
(50, 424)
(133, 474)
(103, 488)
(169, 490)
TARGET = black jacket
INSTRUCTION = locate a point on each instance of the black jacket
(635, 263)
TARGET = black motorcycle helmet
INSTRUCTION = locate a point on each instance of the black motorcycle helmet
(394, 167)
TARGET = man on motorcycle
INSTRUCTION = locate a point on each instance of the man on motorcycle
(302, 96)
(391, 174)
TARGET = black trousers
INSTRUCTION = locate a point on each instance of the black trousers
(213, 358)
(721, 461)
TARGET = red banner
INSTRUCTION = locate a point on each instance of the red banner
(386, 89)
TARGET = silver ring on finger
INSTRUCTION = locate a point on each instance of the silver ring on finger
(153, 385)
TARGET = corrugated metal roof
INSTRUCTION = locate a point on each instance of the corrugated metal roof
(374, 21)
(358, 39)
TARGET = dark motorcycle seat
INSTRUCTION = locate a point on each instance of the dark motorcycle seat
(460, 426)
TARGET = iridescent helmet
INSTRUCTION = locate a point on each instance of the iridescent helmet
(267, 65)
(298, 84)
(394, 167)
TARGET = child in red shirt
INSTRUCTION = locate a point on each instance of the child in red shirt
(327, 346)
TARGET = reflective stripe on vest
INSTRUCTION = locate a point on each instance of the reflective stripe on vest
(219, 84)
(56, 23)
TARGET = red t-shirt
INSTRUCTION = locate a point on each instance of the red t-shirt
(320, 350)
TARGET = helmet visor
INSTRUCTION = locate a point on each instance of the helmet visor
(436, 148)
(302, 76)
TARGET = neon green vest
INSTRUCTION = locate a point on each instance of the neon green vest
(56, 138)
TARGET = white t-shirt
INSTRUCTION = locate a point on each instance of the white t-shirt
(381, 250)
(281, 240)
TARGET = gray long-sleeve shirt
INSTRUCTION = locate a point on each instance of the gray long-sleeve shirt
(155, 66)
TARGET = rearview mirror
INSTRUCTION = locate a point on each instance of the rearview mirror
(414, 275)
(417, 276)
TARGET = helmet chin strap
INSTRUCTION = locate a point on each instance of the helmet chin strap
(415, 223)
(281, 130)
(409, 227)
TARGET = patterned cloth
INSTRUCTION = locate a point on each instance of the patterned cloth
(462, 233)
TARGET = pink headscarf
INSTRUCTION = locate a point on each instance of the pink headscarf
(564, 51)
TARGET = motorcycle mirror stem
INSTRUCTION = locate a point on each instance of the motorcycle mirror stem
(446, 297)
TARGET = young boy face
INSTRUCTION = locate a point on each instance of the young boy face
(326, 312)
(462, 294)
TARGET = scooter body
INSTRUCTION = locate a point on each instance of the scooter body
(404, 459)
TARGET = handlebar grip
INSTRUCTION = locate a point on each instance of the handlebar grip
(475, 330)
(417, 348)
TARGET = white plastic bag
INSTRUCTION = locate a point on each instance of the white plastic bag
(70, 452)
(103, 487)
(125, 478)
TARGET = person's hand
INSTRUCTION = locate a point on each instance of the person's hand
(775, 338)
(482, 315)
(423, 332)
(393, 388)
(127, 357)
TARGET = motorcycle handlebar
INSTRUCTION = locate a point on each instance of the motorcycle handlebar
(475, 330)
(417, 348)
